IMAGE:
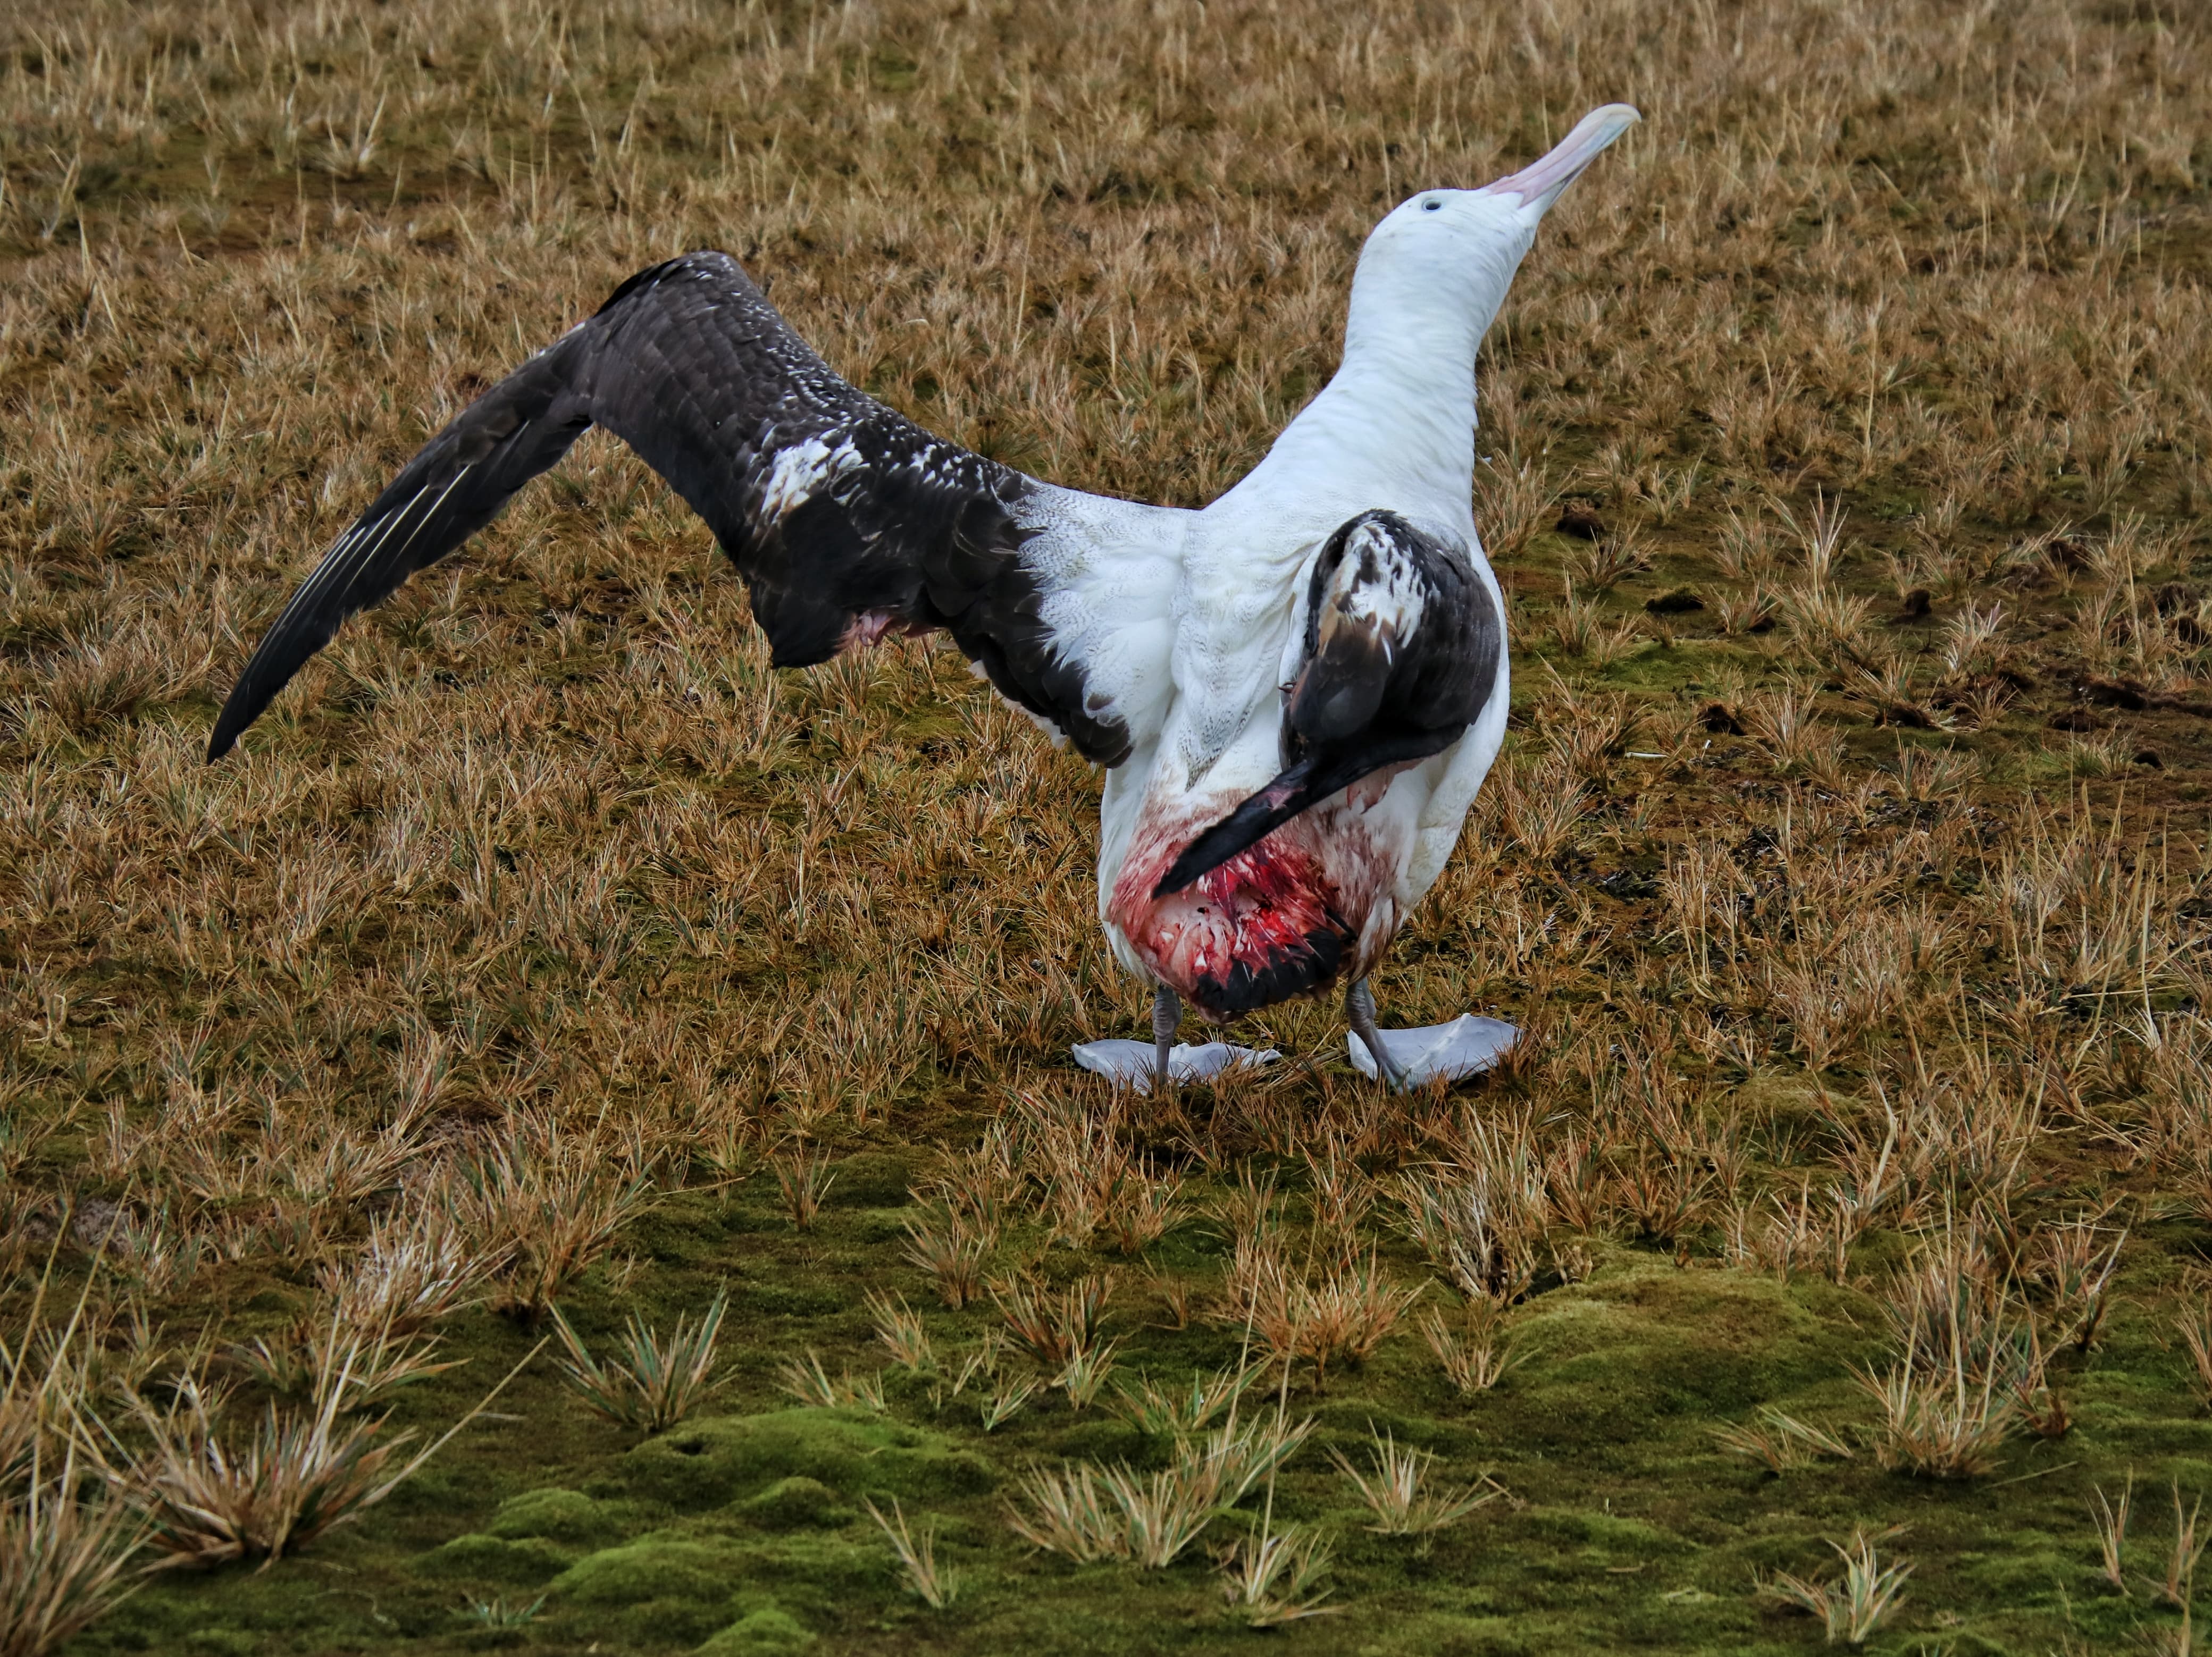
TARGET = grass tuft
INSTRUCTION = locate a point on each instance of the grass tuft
(1851, 1607)
(657, 1380)
(1392, 1490)
(933, 1584)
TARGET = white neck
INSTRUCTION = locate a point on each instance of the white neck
(1398, 418)
(1395, 425)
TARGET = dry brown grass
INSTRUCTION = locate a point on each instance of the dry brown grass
(68, 1544)
(214, 1495)
(1860, 907)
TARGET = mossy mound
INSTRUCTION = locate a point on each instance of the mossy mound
(655, 1567)
(558, 1516)
(1649, 1342)
(667, 1584)
(526, 1563)
(728, 1458)
(767, 1632)
(797, 1503)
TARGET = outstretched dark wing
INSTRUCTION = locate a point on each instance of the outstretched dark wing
(1402, 647)
(844, 517)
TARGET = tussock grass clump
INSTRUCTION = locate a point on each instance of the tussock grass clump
(657, 1380)
(1852, 1606)
(1479, 1353)
(1086, 1373)
(1392, 1489)
(375, 1364)
(953, 1248)
(931, 1582)
(1169, 1413)
(1970, 1370)
(807, 1381)
(68, 1543)
(1057, 1328)
(1091, 1513)
(546, 1201)
(2110, 1520)
(1007, 1395)
(66, 1556)
(1539, 805)
(214, 1500)
(1337, 1312)
(900, 1329)
(1487, 1218)
(1138, 1206)
(803, 1175)
(1781, 1441)
(415, 1268)
(1274, 1579)
(212, 1496)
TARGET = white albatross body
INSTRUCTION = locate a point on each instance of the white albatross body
(1395, 428)
(1297, 691)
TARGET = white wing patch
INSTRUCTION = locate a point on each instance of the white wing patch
(1109, 570)
(801, 470)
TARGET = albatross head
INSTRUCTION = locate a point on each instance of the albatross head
(1436, 268)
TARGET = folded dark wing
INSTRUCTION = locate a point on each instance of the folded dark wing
(1402, 647)
(843, 517)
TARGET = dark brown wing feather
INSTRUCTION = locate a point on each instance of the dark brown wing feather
(833, 507)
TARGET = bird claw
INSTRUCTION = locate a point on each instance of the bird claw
(1466, 1047)
(1130, 1064)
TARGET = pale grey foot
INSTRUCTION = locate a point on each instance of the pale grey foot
(1359, 1013)
(1167, 1016)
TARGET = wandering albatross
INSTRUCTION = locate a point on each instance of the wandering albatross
(1295, 690)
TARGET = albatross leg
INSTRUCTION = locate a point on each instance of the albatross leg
(1167, 1016)
(1359, 1013)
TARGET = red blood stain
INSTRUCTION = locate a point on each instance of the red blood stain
(1262, 908)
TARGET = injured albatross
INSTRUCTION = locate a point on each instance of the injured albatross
(1295, 690)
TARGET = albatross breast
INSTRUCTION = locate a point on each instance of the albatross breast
(1238, 892)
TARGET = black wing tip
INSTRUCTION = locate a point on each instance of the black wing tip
(1190, 867)
(230, 725)
(1252, 822)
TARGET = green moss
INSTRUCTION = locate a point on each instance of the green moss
(1645, 1341)
(1101, 1437)
(657, 1588)
(655, 1567)
(775, 1299)
(727, 1458)
(872, 1178)
(556, 1514)
(1453, 1636)
(822, 1575)
(524, 1564)
(881, 1225)
(670, 1585)
(221, 1642)
(762, 1633)
(797, 1502)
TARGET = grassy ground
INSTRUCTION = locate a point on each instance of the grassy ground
(1847, 866)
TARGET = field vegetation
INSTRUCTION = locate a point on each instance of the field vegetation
(566, 1142)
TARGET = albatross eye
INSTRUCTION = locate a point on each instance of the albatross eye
(1431, 205)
